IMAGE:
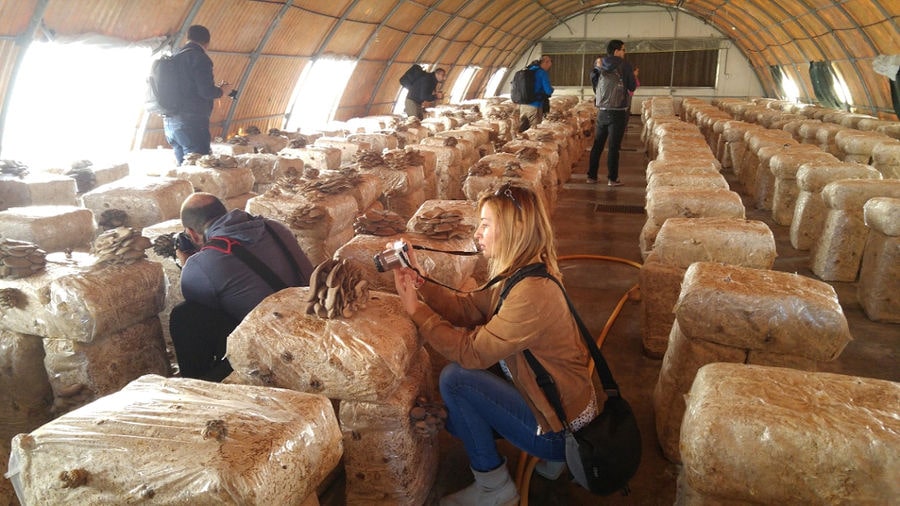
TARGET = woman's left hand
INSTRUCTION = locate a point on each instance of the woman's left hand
(407, 281)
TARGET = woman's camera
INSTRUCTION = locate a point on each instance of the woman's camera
(392, 258)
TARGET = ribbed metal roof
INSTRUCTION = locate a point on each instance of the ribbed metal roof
(268, 42)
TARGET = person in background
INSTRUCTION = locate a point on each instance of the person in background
(514, 234)
(188, 130)
(424, 89)
(219, 287)
(612, 118)
(595, 72)
(533, 113)
(637, 82)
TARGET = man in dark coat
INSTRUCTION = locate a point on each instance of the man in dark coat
(424, 89)
(612, 111)
(187, 131)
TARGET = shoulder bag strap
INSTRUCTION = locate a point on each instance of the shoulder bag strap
(543, 378)
(287, 253)
(232, 247)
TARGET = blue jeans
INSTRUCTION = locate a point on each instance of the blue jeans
(610, 124)
(480, 403)
(187, 133)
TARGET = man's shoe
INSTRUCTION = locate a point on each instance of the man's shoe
(614, 183)
(591, 180)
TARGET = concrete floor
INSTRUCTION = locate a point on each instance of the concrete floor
(598, 220)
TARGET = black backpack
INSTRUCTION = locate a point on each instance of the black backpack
(164, 87)
(522, 90)
(411, 75)
(611, 93)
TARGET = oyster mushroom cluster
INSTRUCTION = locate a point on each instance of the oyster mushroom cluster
(337, 289)
(512, 169)
(84, 176)
(13, 167)
(557, 115)
(306, 216)
(121, 245)
(399, 159)
(339, 182)
(214, 429)
(164, 245)
(299, 142)
(12, 298)
(426, 417)
(528, 154)
(74, 478)
(212, 161)
(19, 259)
(381, 223)
(112, 218)
(238, 140)
(414, 157)
(438, 223)
(499, 113)
(368, 159)
(480, 168)
(451, 141)
(288, 184)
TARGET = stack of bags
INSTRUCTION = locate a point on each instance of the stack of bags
(340, 340)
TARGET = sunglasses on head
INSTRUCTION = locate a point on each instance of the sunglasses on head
(505, 190)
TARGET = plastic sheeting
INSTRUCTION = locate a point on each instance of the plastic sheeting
(363, 358)
(181, 441)
(802, 438)
(74, 299)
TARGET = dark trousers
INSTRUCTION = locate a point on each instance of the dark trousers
(611, 125)
(200, 335)
(188, 133)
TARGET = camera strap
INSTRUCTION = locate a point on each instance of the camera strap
(452, 252)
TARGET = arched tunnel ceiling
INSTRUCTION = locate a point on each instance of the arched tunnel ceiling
(268, 42)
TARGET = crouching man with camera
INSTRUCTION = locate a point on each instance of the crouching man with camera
(231, 262)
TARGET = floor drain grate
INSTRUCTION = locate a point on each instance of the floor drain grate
(618, 208)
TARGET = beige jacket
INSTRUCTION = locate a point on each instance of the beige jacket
(534, 316)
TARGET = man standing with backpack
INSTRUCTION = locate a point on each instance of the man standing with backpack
(424, 89)
(615, 82)
(187, 130)
(532, 113)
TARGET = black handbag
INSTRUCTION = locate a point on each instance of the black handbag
(603, 455)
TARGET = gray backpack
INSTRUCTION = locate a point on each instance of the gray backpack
(611, 93)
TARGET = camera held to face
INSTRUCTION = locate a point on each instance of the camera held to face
(392, 258)
(184, 243)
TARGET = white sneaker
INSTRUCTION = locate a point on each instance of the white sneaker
(550, 469)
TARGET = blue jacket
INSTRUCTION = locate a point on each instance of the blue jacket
(198, 89)
(223, 281)
(542, 88)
